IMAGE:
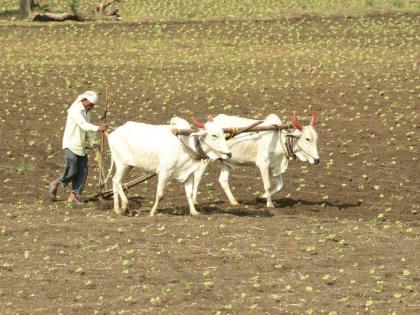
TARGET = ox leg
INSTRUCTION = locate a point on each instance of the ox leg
(124, 199)
(115, 182)
(279, 186)
(159, 192)
(265, 175)
(189, 191)
(115, 195)
(120, 173)
(198, 175)
(224, 182)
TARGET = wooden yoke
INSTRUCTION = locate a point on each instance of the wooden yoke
(182, 132)
(257, 128)
(235, 131)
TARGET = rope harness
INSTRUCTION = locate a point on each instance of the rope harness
(199, 153)
(290, 143)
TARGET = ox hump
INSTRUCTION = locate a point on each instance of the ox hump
(179, 123)
(272, 119)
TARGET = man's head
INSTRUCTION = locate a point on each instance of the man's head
(89, 99)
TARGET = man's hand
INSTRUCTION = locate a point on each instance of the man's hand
(103, 127)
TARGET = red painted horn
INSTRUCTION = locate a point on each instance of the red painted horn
(210, 118)
(314, 119)
(198, 124)
(296, 122)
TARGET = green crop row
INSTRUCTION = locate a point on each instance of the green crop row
(220, 9)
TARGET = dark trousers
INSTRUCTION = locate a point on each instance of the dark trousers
(75, 171)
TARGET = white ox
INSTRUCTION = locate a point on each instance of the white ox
(155, 149)
(270, 151)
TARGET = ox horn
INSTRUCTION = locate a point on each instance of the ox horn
(210, 118)
(198, 124)
(296, 122)
(314, 119)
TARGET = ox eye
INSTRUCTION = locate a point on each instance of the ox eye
(213, 136)
(307, 139)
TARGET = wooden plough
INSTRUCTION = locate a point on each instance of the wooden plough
(108, 193)
(232, 132)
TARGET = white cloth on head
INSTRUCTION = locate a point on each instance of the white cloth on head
(78, 127)
(91, 96)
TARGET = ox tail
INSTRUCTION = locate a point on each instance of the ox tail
(109, 171)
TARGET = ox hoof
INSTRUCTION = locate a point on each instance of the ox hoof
(234, 203)
(195, 214)
(270, 205)
(120, 211)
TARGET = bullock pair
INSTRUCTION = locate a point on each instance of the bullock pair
(156, 149)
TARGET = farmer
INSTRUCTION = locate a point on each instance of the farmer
(78, 130)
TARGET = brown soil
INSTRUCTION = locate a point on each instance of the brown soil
(344, 236)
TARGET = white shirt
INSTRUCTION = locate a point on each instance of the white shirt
(78, 129)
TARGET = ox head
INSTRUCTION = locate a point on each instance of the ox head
(212, 139)
(306, 145)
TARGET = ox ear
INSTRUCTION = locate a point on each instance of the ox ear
(296, 122)
(210, 118)
(197, 123)
(314, 119)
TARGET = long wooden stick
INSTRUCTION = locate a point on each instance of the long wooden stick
(101, 152)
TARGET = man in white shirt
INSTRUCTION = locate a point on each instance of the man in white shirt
(78, 130)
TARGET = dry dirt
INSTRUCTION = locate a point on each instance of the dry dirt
(344, 236)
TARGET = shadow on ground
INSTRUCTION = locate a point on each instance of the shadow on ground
(289, 202)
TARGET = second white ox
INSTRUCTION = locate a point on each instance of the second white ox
(155, 149)
(270, 151)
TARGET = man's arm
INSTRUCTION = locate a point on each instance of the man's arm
(80, 120)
